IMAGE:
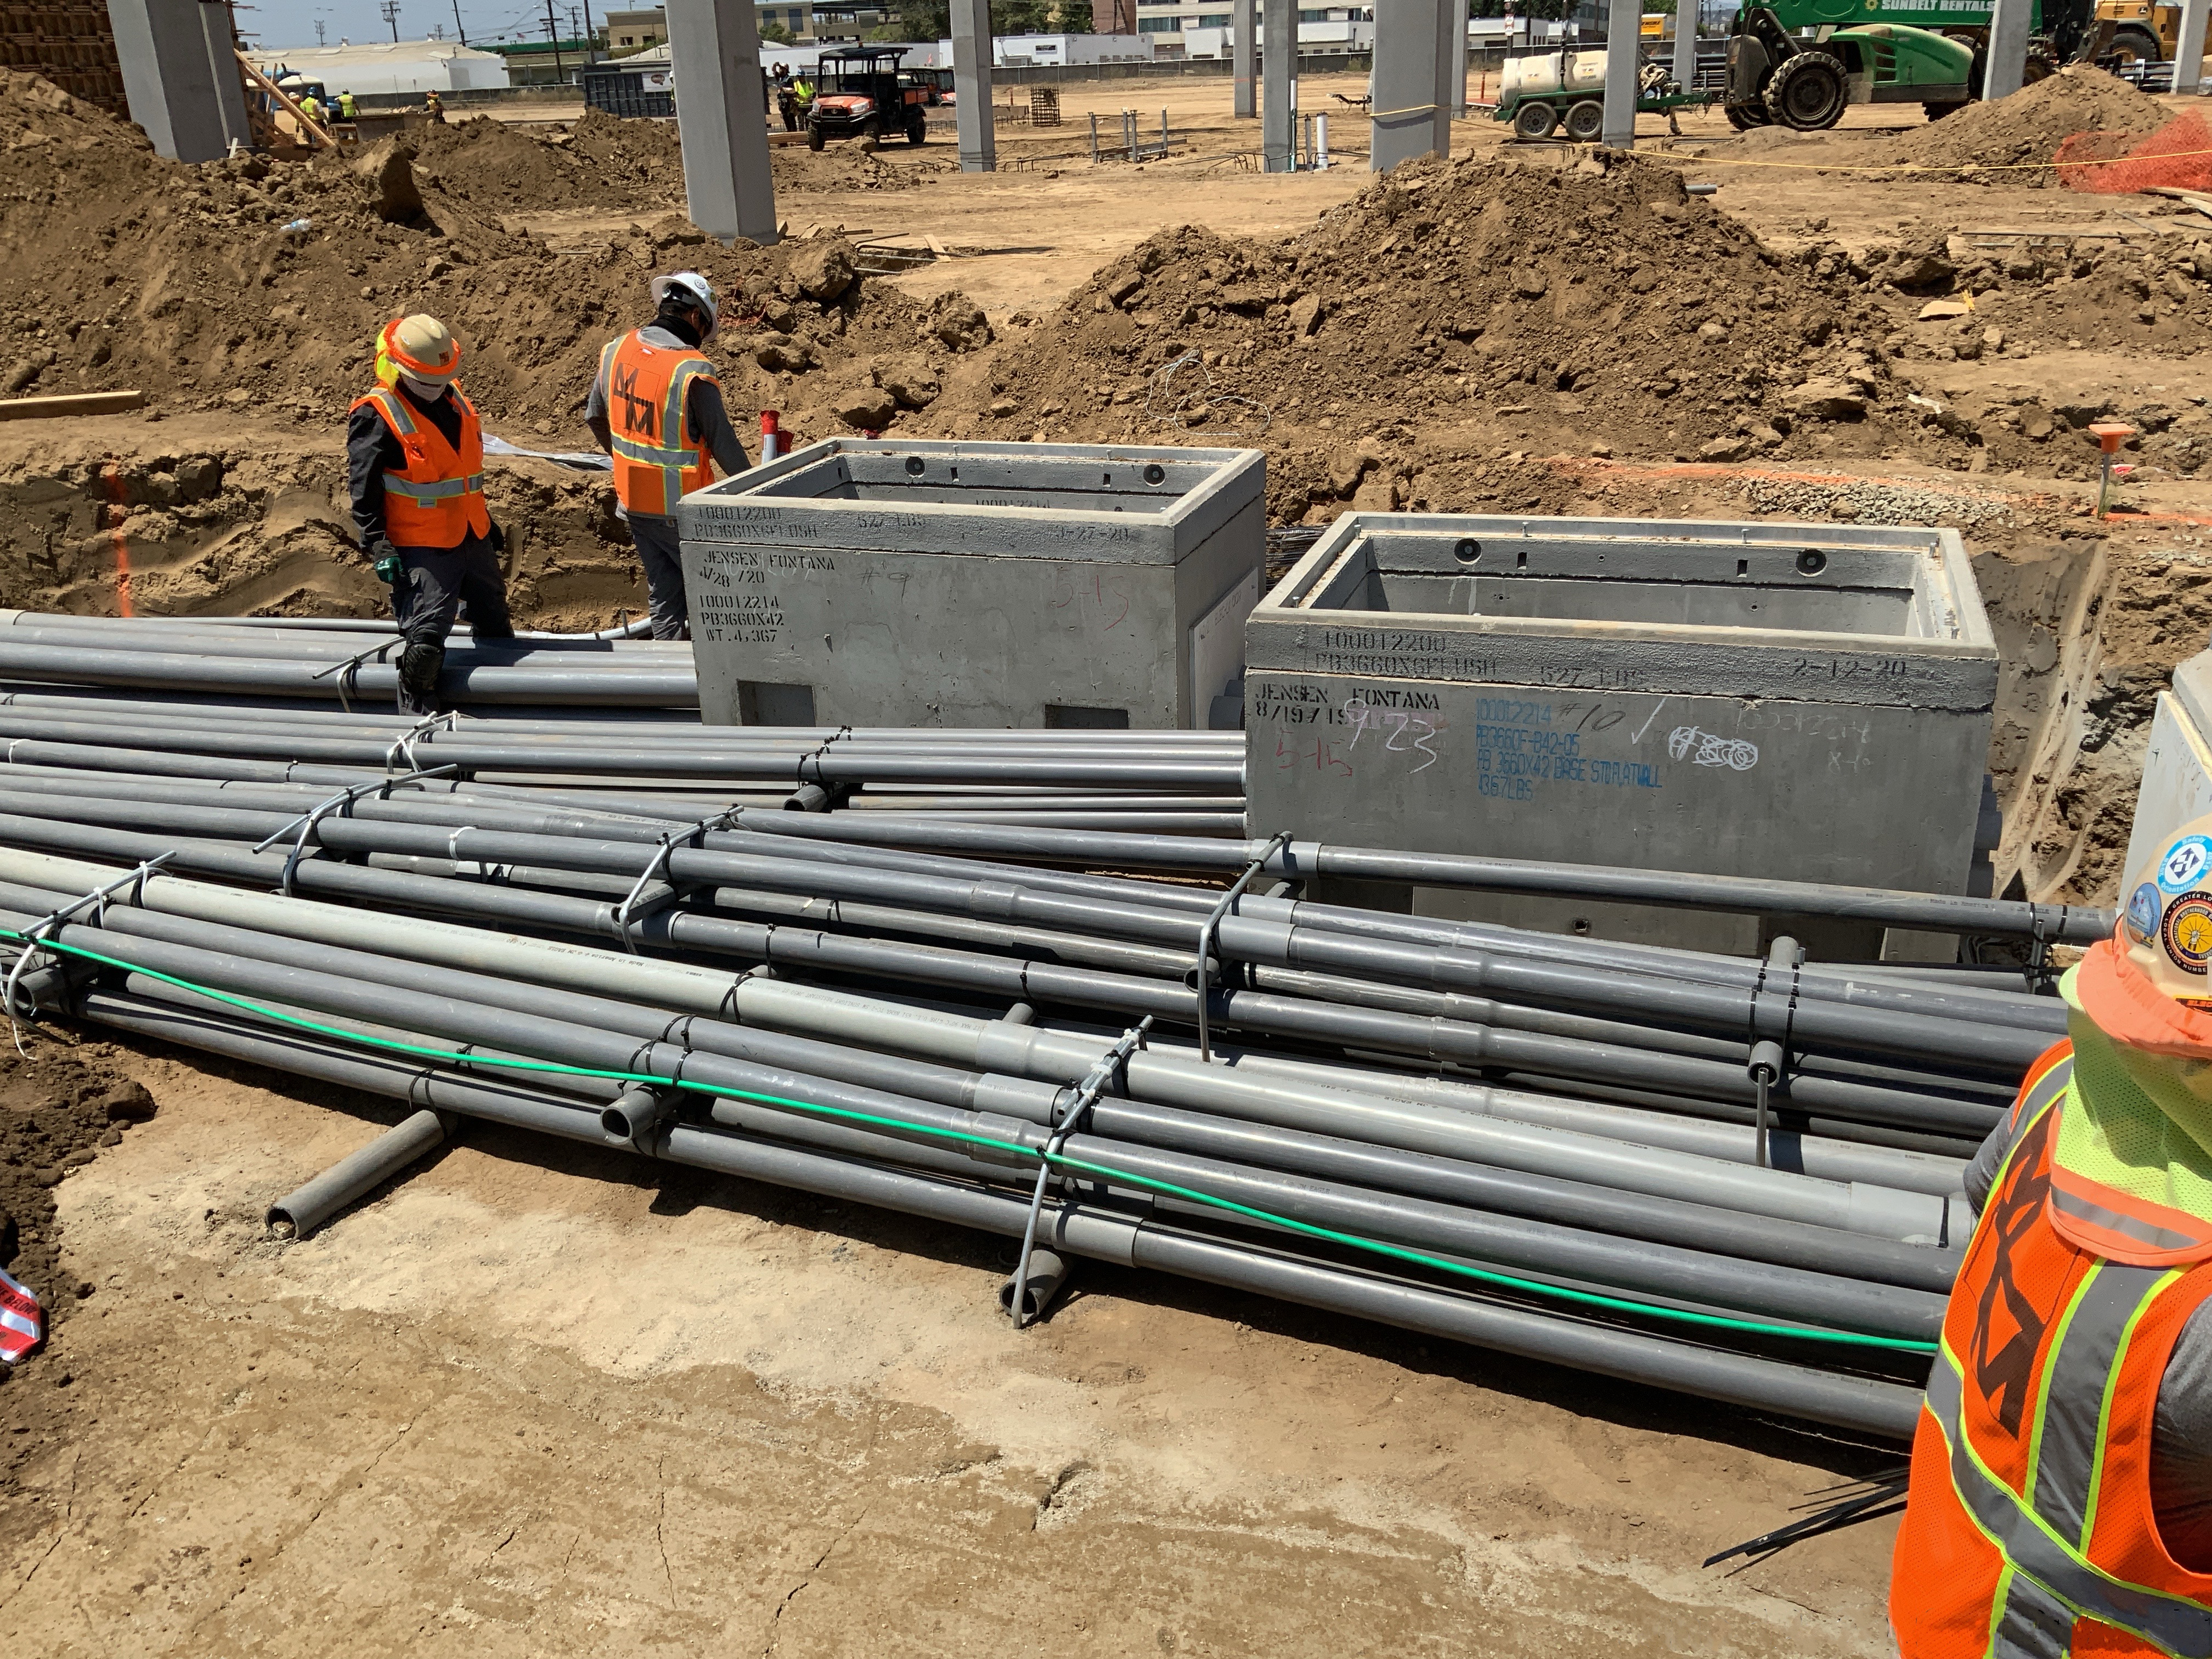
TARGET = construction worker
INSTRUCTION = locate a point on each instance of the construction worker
(787, 100)
(435, 107)
(347, 109)
(2061, 1499)
(802, 93)
(415, 454)
(657, 408)
(312, 107)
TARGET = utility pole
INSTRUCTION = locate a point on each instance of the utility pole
(591, 35)
(390, 10)
(553, 34)
(459, 28)
(322, 35)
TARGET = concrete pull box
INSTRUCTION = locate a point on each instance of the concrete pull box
(1806, 702)
(975, 584)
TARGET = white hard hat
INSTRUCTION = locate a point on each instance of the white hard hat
(690, 285)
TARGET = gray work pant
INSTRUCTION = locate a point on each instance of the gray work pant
(434, 584)
(655, 539)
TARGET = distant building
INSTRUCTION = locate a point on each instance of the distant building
(635, 31)
(1179, 28)
(1023, 50)
(388, 66)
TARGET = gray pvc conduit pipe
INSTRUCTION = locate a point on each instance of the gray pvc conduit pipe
(1860, 1404)
(1300, 1098)
(1788, 1243)
(1645, 1268)
(1808, 1155)
(1695, 1081)
(306, 1207)
(1303, 860)
(1809, 1024)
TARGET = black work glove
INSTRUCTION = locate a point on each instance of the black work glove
(497, 539)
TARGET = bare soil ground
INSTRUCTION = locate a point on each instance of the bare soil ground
(541, 1402)
(537, 1400)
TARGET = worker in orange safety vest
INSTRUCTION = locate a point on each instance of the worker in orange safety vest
(657, 408)
(415, 460)
(2061, 1497)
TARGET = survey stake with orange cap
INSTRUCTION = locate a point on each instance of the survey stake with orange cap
(415, 464)
(2061, 1497)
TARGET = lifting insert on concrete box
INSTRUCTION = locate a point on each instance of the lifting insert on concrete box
(1809, 701)
(868, 583)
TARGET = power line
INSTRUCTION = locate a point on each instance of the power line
(390, 10)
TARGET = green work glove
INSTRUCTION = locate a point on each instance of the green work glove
(387, 559)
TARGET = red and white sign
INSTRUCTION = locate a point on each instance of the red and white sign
(19, 1320)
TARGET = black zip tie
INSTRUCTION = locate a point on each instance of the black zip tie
(816, 754)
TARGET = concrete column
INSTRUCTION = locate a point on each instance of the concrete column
(1279, 70)
(2009, 24)
(1244, 56)
(1451, 69)
(1624, 25)
(1413, 113)
(721, 118)
(1685, 43)
(971, 84)
(2189, 49)
(162, 48)
(219, 32)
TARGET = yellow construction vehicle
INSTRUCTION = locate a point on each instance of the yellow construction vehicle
(2143, 31)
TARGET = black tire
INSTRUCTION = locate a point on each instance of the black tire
(917, 130)
(1534, 119)
(1744, 117)
(814, 139)
(2134, 44)
(1586, 121)
(1809, 92)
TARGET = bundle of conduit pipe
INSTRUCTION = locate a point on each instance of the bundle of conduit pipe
(1735, 1178)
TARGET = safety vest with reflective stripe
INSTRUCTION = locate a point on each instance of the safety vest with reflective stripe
(438, 498)
(2029, 1533)
(657, 460)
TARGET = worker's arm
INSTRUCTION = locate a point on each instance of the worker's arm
(371, 451)
(595, 409)
(1982, 1171)
(710, 425)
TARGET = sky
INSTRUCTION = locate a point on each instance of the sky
(271, 23)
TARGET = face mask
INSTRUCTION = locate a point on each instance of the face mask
(428, 392)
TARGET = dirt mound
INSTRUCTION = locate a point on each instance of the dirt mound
(2029, 126)
(1614, 301)
(840, 166)
(498, 167)
(645, 154)
(260, 288)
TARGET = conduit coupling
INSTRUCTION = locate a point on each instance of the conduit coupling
(1769, 1061)
(1094, 1084)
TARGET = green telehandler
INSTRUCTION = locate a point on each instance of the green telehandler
(1802, 62)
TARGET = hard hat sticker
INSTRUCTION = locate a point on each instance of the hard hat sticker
(2142, 916)
(2184, 864)
(2187, 934)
